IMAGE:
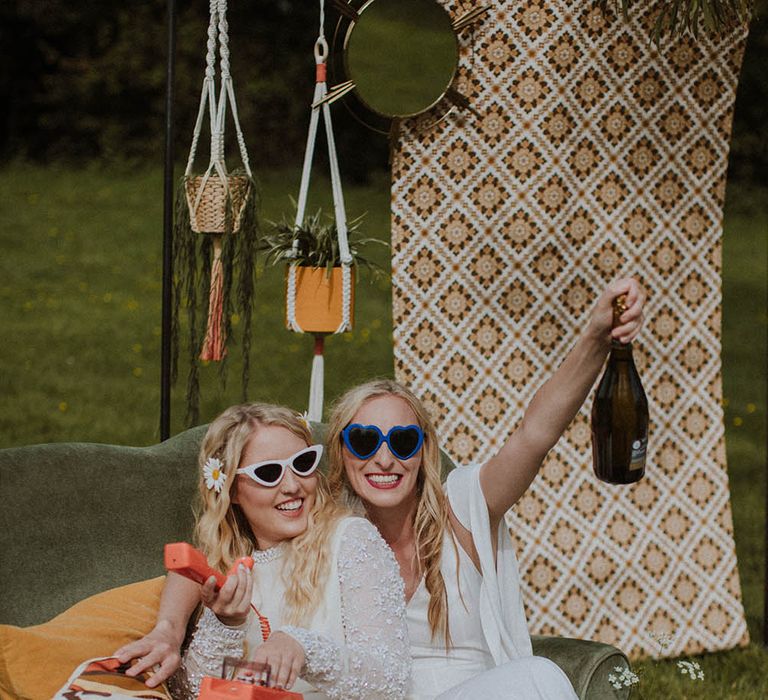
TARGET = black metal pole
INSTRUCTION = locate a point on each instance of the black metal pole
(765, 543)
(167, 310)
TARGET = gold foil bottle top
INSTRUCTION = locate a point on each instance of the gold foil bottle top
(619, 307)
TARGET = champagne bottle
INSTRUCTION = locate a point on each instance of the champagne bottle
(619, 415)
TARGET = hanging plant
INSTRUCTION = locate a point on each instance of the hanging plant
(678, 17)
(314, 274)
(327, 307)
(215, 232)
(315, 243)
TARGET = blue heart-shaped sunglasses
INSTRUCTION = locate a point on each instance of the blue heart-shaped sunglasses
(364, 441)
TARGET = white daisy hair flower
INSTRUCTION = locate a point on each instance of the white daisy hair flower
(213, 472)
(304, 417)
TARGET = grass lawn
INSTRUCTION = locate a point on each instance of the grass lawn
(80, 309)
(81, 297)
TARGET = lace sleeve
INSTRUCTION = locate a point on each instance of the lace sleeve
(211, 642)
(375, 660)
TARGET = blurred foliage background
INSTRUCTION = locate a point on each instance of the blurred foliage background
(82, 81)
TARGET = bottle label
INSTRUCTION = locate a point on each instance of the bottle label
(637, 459)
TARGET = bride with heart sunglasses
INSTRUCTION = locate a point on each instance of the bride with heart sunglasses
(466, 621)
(323, 606)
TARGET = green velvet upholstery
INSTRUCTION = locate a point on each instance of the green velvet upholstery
(77, 519)
(587, 664)
(80, 518)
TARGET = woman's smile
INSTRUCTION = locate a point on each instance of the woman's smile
(384, 480)
(291, 508)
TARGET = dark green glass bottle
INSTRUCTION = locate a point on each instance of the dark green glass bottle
(620, 416)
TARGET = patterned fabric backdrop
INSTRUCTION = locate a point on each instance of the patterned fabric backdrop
(592, 154)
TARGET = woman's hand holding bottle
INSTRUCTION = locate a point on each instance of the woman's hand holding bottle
(631, 319)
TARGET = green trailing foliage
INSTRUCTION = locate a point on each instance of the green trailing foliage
(192, 258)
(318, 243)
(678, 17)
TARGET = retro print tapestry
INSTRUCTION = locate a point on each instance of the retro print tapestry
(589, 152)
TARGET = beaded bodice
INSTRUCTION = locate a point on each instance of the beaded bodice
(356, 643)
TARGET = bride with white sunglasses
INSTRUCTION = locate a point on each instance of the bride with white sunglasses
(323, 605)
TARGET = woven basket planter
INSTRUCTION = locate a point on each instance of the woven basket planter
(319, 305)
(210, 215)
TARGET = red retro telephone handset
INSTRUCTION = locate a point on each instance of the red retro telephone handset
(184, 559)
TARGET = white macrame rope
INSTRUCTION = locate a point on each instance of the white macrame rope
(321, 53)
(339, 208)
(338, 195)
(316, 382)
(291, 300)
(217, 133)
(228, 91)
(223, 40)
(208, 94)
(346, 303)
(218, 28)
(309, 153)
(238, 130)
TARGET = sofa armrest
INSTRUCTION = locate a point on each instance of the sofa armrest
(587, 665)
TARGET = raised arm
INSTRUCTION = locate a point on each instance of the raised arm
(375, 660)
(506, 476)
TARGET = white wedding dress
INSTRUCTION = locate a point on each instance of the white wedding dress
(356, 643)
(491, 656)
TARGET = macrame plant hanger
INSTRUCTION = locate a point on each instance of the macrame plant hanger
(220, 205)
(315, 409)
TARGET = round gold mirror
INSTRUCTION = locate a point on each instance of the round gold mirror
(398, 58)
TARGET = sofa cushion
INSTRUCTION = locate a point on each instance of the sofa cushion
(35, 662)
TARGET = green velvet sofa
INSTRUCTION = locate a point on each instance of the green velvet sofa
(77, 519)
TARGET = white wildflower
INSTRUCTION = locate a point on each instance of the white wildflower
(625, 678)
(692, 669)
(663, 639)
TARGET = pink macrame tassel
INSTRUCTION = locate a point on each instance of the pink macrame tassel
(213, 345)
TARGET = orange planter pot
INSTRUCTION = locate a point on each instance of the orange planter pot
(319, 299)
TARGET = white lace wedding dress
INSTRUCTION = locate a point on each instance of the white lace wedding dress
(491, 656)
(356, 643)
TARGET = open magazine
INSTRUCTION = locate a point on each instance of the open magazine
(105, 679)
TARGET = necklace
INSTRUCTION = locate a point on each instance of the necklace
(264, 556)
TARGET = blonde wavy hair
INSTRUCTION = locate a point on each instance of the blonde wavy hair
(222, 531)
(431, 519)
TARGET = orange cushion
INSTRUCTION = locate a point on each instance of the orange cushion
(35, 662)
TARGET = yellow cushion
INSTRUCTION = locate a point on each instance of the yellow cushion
(35, 662)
